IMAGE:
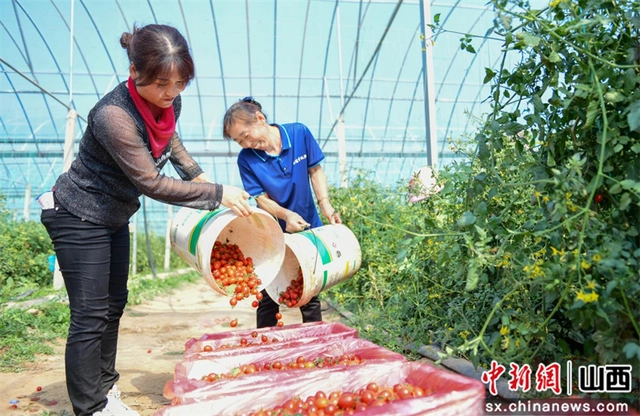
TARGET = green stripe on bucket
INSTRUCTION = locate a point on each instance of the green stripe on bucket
(324, 253)
(195, 234)
(324, 280)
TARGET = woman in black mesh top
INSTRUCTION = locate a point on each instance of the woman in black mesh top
(129, 138)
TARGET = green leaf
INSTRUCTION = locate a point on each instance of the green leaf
(631, 349)
(537, 103)
(231, 289)
(629, 79)
(482, 209)
(554, 57)
(530, 40)
(472, 277)
(633, 116)
(630, 184)
(506, 21)
(488, 75)
(483, 150)
(614, 97)
(466, 219)
(592, 110)
(625, 200)
(603, 315)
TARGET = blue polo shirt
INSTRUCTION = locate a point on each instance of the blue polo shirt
(285, 177)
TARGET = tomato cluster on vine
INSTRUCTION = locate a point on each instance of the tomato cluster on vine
(340, 403)
(292, 294)
(299, 363)
(232, 270)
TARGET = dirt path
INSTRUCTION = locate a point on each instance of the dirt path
(152, 338)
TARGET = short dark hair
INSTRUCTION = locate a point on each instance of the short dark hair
(244, 110)
(155, 50)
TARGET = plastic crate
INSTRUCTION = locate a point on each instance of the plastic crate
(449, 393)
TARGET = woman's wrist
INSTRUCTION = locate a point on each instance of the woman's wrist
(324, 199)
(286, 215)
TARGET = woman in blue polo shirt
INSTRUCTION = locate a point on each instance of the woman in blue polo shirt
(279, 165)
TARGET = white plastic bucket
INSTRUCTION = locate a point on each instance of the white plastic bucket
(327, 256)
(259, 236)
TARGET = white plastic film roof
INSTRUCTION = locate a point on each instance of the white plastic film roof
(313, 61)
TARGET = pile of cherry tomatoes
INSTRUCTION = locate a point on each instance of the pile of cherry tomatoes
(230, 267)
(343, 402)
(243, 342)
(235, 273)
(297, 364)
(292, 294)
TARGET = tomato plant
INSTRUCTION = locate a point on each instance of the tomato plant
(531, 250)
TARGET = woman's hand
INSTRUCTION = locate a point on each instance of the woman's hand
(295, 223)
(236, 199)
(327, 210)
(335, 218)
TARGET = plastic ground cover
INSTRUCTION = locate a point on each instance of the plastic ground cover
(449, 393)
(188, 385)
(224, 343)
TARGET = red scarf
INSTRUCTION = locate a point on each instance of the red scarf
(159, 132)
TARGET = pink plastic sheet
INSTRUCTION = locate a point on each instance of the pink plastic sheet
(194, 369)
(296, 334)
(451, 394)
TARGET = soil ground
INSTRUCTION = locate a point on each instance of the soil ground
(151, 343)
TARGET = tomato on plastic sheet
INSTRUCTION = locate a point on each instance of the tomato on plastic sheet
(231, 339)
(323, 355)
(270, 389)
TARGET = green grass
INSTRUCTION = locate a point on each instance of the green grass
(27, 333)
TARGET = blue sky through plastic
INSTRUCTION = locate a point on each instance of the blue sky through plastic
(301, 59)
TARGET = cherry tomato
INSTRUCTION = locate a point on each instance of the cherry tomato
(598, 198)
(403, 392)
(233, 323)
(367, 396)
(377, 403)
(321, 402)
(346, 401)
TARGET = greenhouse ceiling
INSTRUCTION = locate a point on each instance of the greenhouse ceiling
(356, 72)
